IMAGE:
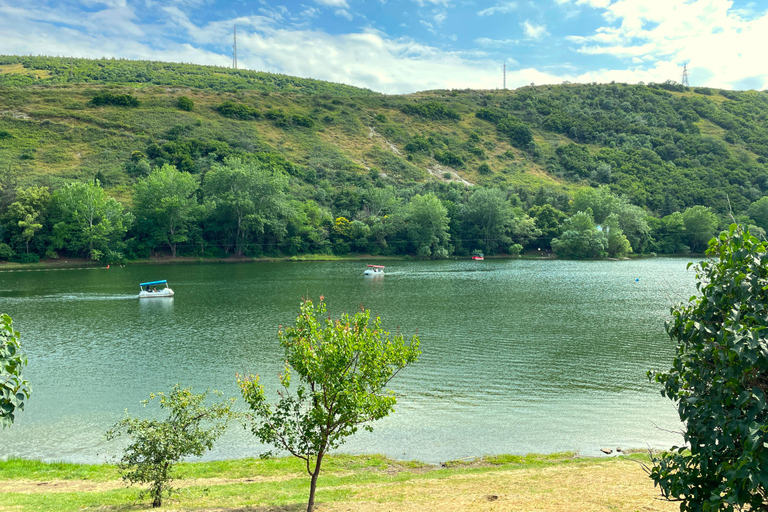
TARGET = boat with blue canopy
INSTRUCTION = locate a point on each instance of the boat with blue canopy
(149, 290)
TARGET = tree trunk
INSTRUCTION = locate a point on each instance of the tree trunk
(313, 483)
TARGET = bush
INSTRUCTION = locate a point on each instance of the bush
(156, 446)
(185, 103)
(27, 257)
(6, 253)
(719, 380)
(238, 111)
(431, 110)
(484, 168)
(449, 158)
(117, 100)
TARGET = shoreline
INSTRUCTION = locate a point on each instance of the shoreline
(83, 263)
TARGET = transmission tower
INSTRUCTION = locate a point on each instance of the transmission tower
(234, 50)
(685, 74)
(505, 76)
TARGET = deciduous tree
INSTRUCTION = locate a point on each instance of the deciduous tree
(719, 381)
(165, 205)
(156, 446)
(343, 368)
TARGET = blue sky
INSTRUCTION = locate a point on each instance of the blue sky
(403, 46)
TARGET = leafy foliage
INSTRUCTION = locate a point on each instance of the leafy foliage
(117, 100)
(156, 446)
(719, 381)
(14, 390)
(431, 110)
(343, 368)
(239, 111)
(185, 103)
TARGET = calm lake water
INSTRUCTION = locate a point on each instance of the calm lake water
(518, 355)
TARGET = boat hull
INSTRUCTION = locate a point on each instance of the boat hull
(160, 294)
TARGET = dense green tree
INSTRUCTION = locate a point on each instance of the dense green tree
(580, 238)
(380, 201)
(600, 200)
(156, 446)
(488, 217)
(549, 221)
(758, 211)
(427, 226)
(340, 370)
(14, 390)
(718, 381)
(617, 245)
(89, 221)
(166, 206)
(247, 198)
(670, 235)
(25, 216)
(700, 225)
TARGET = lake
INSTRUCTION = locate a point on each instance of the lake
(518, 355)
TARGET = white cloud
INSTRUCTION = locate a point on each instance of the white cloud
(710, 34)
(342, 4)
(502, 8)
(533, 31)
(485, 41)
(440, 17)
(343, 13)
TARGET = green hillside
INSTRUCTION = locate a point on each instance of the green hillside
(662, 148)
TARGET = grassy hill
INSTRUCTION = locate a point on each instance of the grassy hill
(664, 147)
(693, 146)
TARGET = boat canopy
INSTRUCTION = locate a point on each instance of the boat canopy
(376, 266)
(154, 282)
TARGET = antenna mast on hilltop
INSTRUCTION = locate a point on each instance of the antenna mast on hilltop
(505, 76)
(234, 50)
(685, 74)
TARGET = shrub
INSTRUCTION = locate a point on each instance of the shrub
(117, 100)
(431, 110)
(238, 111)
(27, 257)
(484, 168)
(6, 253)
(156, 446)
(185, 103)
(719, 380)
(449, 158)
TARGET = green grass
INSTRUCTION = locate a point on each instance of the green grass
(250, 482)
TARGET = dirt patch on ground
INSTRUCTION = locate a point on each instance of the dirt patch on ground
(50, 486)
(563, 488)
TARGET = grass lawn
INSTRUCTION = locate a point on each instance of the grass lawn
(558, 483)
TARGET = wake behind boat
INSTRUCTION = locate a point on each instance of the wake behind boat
(374, 270)
(149, 290)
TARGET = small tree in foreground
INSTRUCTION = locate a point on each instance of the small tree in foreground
(719, 380)
(343, 368)
(14, 391)
(189, 430)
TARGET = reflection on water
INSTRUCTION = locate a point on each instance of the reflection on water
(518, 355)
